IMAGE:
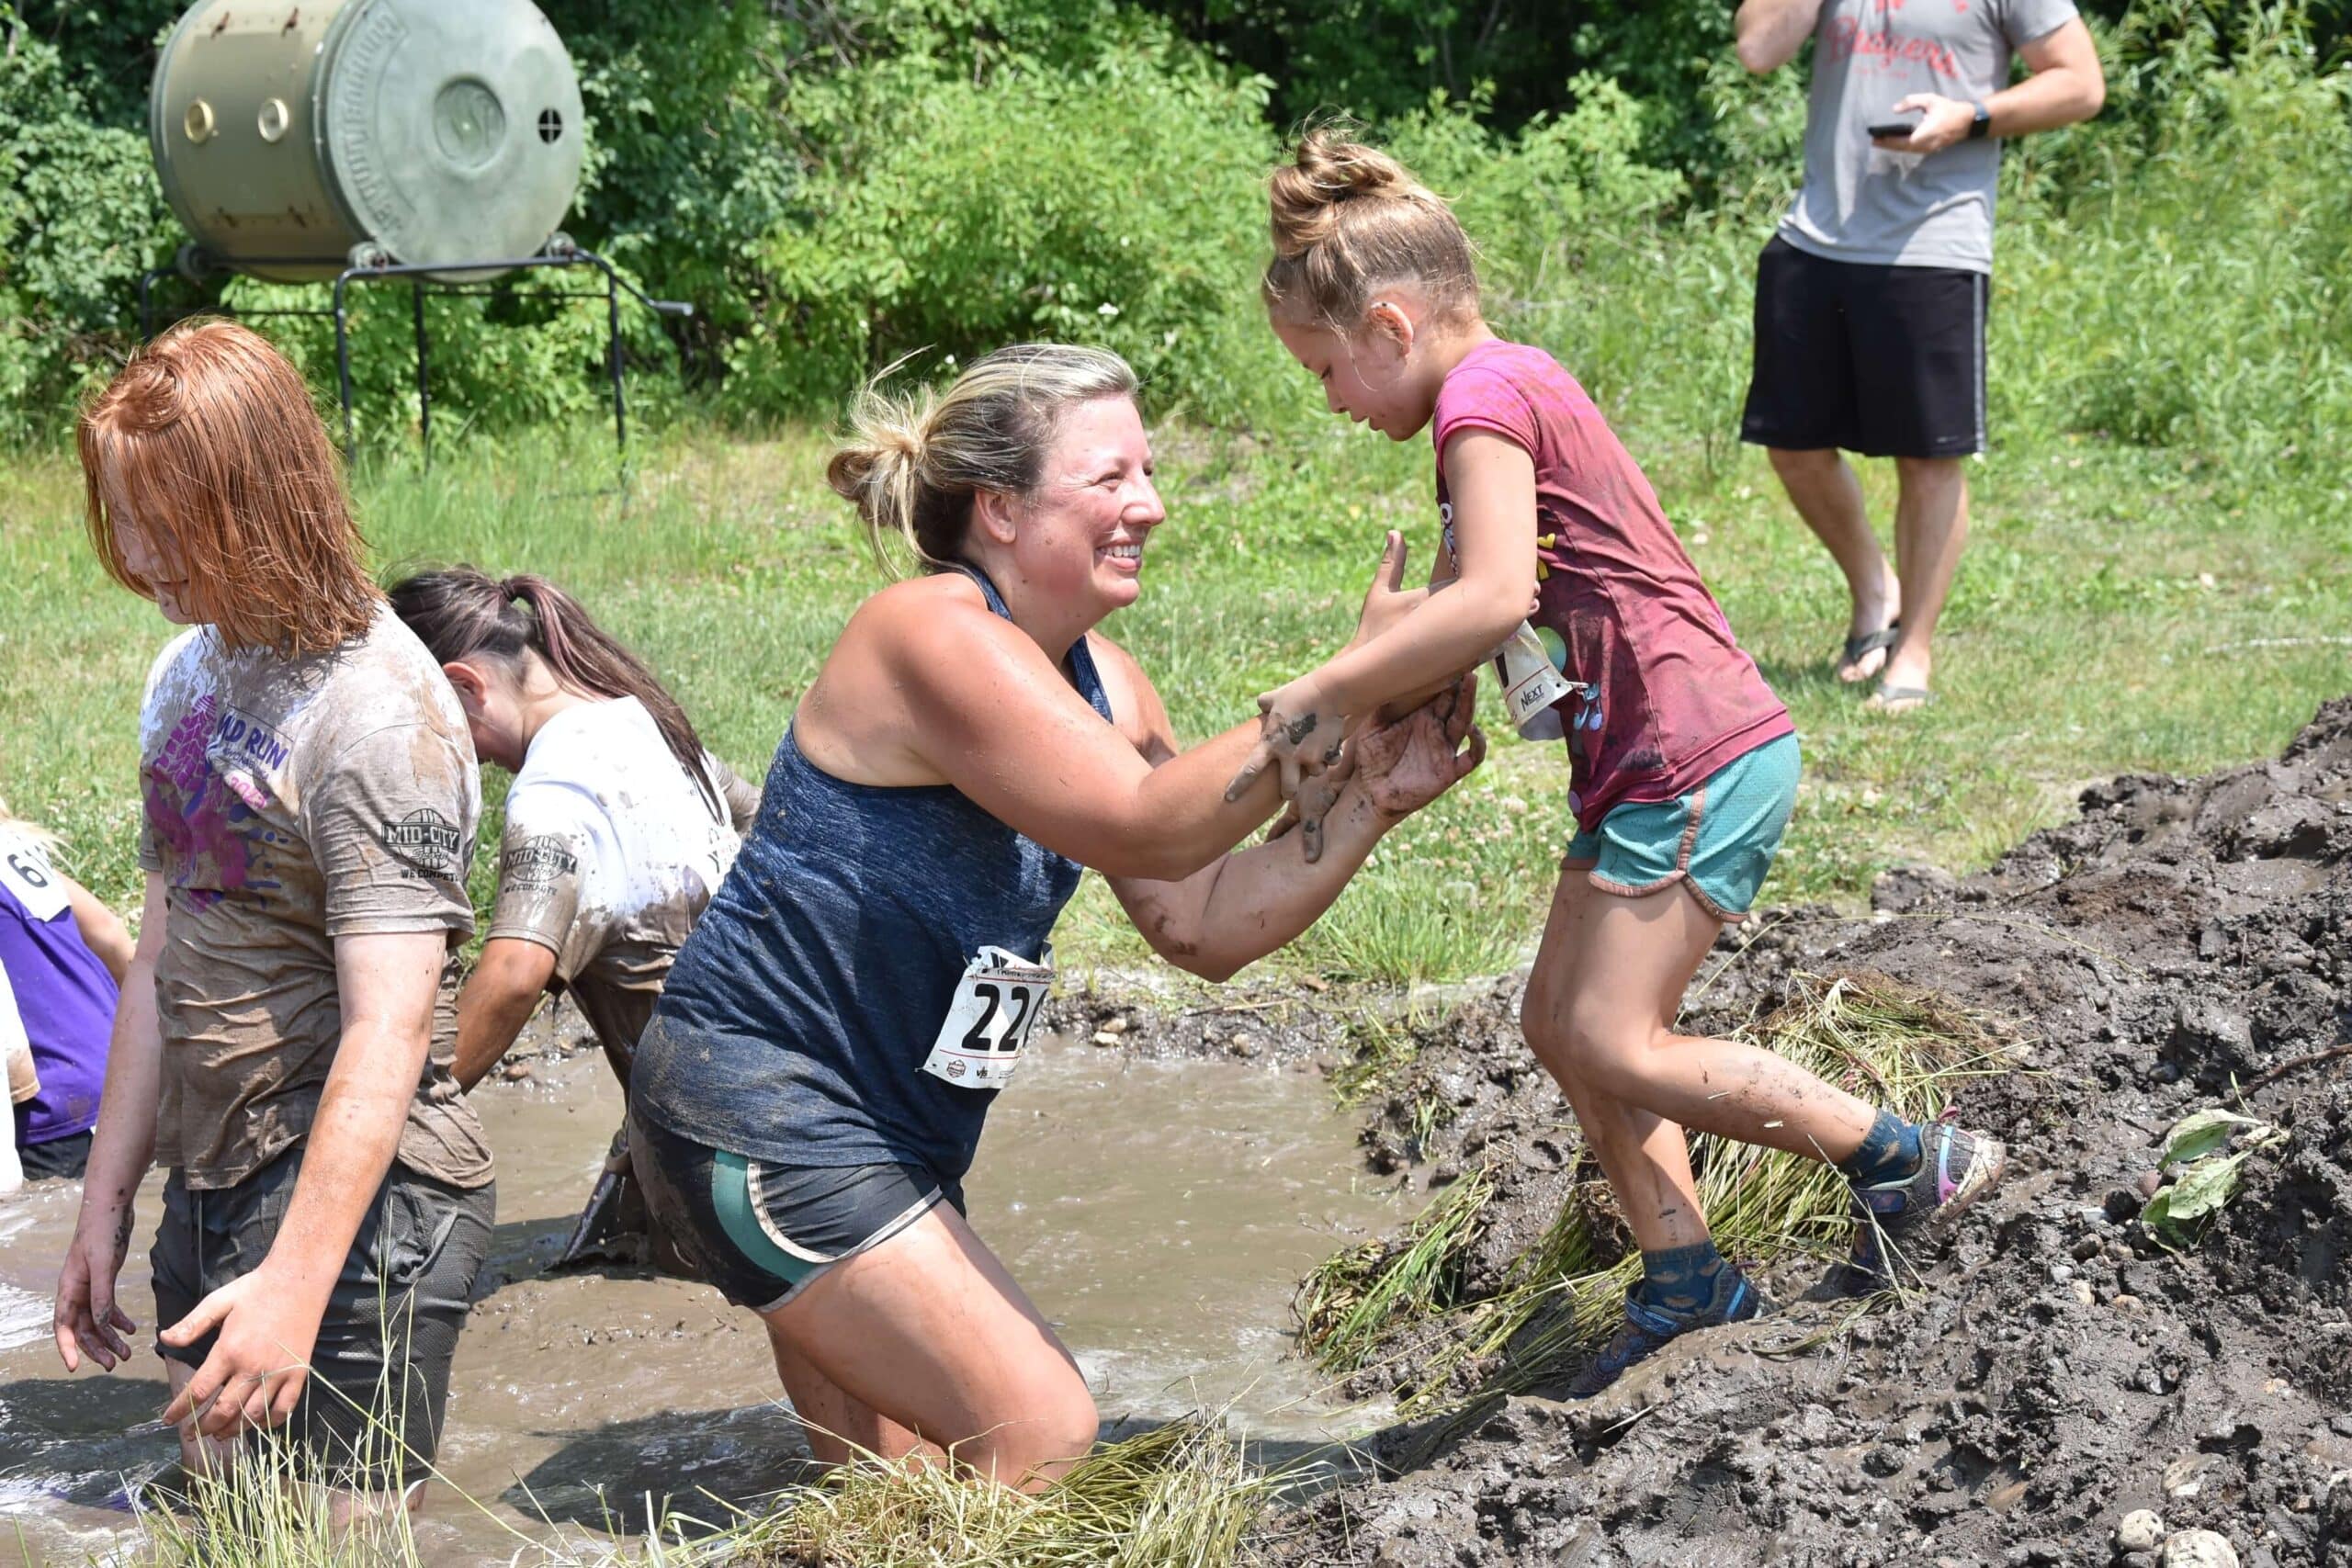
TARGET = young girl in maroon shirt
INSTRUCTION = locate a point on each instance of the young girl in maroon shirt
(1559, 562)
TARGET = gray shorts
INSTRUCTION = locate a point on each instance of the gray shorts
(381, 1365)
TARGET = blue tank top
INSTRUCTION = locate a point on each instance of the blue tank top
(795, 1025)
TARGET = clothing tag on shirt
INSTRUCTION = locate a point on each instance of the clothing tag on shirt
(1531, 686)
(996, 1003)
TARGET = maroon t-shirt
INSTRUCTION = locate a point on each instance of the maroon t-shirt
(1666, 696)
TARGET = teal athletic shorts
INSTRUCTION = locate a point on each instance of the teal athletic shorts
(1718, 840)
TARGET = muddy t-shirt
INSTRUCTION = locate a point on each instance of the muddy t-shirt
(1665, 695)
(1861, 203)
(610, 853)
(290, 802)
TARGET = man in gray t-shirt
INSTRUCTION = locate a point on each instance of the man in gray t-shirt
(1871, 300)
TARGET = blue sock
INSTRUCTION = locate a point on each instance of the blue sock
(1890, 1152)
(1685, 1280)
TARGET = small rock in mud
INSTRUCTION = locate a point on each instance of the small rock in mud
(2185, 1477)
(2142, 1529)
(2198, 1549)
(515, 1072)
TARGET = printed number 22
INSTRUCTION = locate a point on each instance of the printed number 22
(1015, 1032)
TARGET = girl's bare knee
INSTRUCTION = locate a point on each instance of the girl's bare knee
(1609, 1062)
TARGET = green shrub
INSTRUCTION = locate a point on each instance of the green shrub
(1119, 204)
(80, 218)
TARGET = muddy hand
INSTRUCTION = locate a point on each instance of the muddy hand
(1300, 733)
(1317, 794)
(1408, 764)
(259, 1361)
(88, 1320)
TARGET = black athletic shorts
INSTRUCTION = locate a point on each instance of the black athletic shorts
(1886, 361)
(383, 1356)
(762, 1233)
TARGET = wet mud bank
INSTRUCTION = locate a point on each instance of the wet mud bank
(2182, 945)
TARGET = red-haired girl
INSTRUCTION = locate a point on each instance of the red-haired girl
(282, 1043)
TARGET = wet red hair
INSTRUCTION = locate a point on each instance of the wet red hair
(208, 439)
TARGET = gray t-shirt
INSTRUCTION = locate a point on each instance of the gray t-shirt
(290, 802)
(1862, 203)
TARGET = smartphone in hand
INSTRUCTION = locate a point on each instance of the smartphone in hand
(1892, 127)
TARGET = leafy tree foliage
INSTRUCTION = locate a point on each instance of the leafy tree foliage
(839, 184)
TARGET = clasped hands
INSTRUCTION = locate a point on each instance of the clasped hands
(1403, 761)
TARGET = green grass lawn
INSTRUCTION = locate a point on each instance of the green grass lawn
(2119, 608)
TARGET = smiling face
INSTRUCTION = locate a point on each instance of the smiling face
(1374, 375)
(1079, 534)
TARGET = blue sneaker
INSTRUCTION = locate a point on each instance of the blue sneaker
(1647, 1330)
(1893, 1219)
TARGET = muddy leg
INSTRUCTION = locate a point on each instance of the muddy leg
(1638, 955)
(1647, 1159)
(199, 1455)
(931, 1333)
(840, 1427)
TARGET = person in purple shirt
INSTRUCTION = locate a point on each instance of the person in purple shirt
(62, 956)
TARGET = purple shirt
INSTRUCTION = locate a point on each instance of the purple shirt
(64, 996)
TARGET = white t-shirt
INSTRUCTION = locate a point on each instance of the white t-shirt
(610, 852)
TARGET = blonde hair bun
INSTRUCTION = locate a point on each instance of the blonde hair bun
(1347, 217)
(912, 464)
(1327, 168)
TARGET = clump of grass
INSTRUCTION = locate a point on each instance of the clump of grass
(1381, 1046)
(1183, 1495)
(1350, 1305)
(267, 1510)
(1893, 1044)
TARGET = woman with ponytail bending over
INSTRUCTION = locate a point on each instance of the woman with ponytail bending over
(811, 1092)
(618, 827)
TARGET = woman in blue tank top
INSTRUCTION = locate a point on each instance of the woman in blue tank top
(809, 1094)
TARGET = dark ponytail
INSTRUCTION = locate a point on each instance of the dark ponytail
(460, 614)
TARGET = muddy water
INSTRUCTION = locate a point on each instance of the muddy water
(1158, 1212)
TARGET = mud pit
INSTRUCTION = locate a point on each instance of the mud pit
(2179, 938)
(1159, 1212)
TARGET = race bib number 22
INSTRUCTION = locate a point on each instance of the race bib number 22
(996, 1005)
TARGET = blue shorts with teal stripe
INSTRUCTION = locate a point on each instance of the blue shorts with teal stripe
(1718, 840)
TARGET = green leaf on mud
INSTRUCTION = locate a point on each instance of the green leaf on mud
(2203, 1132)
(2203, 1189)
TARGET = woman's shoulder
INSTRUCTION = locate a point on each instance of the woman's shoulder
(910, 614)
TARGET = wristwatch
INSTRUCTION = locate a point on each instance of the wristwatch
(1982, 125)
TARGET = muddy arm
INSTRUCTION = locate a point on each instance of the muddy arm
(1227, 916)
(498, 1000)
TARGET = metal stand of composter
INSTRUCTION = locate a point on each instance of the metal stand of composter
(196, 265)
